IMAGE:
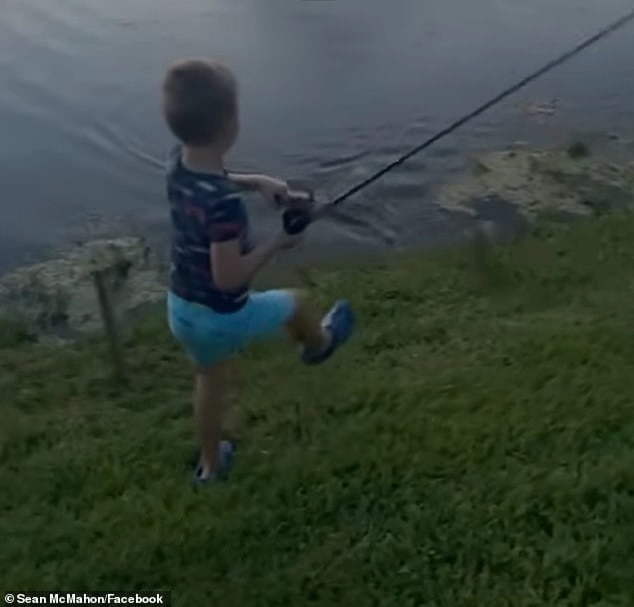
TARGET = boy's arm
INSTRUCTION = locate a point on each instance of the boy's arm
(274, 190)
(232, 270)
(249, 182)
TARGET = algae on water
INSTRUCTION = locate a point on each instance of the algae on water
(537, 182)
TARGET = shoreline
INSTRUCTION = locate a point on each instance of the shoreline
(500, 197)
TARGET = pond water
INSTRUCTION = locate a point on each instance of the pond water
(331, 90)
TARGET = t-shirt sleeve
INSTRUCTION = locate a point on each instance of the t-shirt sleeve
(225, 220)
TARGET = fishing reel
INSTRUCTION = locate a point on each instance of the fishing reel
(299, 210)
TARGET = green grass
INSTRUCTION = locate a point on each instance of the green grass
(474, 446)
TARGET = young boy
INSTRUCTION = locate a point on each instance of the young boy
(211, 309)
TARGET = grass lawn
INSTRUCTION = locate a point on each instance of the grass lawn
(474, 446)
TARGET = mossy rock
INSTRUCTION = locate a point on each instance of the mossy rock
(58, 297)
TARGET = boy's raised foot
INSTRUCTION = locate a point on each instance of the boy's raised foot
(339, 322)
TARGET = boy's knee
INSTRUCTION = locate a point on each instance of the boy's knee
(302, 303)
(301, 306)
(300, 297)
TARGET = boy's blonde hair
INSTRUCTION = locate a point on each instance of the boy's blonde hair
(199, 101)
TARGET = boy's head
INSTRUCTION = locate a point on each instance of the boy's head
(200, 103)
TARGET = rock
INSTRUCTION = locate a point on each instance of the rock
(58, 297)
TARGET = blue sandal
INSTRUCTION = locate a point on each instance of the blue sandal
(340, 322)
(226, 451)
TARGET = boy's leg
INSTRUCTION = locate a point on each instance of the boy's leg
(197, 331)
(210, 387)
(270, 311)
(320, 338)
(209, 407)
(305, 325)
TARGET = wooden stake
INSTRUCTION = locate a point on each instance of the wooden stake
(110, 328)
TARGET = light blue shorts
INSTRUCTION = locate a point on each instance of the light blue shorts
(209, 337)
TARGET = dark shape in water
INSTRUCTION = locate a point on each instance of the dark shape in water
(578, 149)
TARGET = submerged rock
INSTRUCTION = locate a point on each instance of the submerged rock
(59, 298)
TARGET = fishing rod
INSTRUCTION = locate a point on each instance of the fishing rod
(304, 210)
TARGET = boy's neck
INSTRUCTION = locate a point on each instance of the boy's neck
(203, 159)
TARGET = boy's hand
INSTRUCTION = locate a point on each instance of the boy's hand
(275, 191)
(288, 241)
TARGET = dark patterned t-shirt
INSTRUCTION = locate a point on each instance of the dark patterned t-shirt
(205, 208)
